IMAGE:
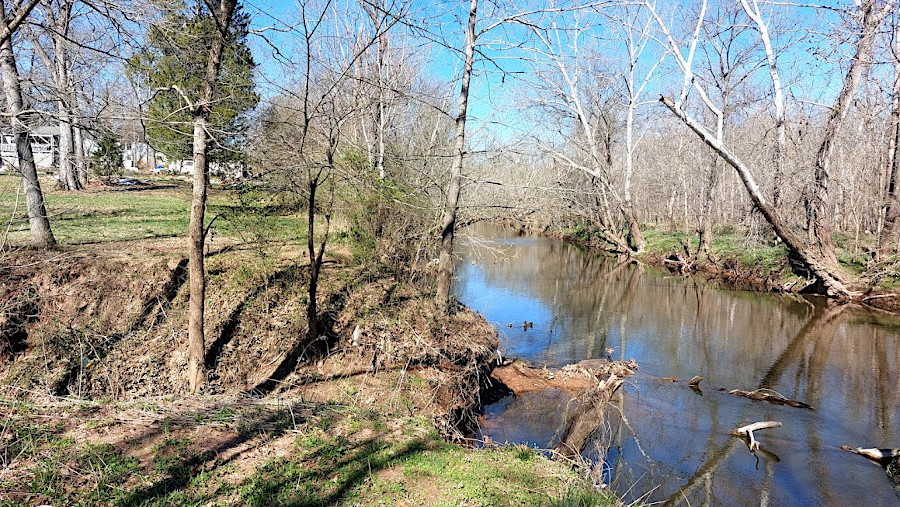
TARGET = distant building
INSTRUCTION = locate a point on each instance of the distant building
(136, 157)
(44, 145)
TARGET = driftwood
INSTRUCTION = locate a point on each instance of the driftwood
(889, 459)
(769, 396)
(881, 456)
(588, 416)
(747, 432)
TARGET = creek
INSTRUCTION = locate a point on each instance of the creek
(662, 441)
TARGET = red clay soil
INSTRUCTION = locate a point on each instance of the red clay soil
(522, 378)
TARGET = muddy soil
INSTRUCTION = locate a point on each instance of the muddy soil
(109, 322)
(521, 378)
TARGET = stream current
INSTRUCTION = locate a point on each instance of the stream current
(663, 442)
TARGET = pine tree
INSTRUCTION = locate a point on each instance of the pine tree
(172, 66)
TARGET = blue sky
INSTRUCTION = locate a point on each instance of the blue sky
(495, 95)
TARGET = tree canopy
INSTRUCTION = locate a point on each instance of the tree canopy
(171, 66)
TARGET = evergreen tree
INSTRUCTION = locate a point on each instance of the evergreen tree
(107, 159)
(173, 62)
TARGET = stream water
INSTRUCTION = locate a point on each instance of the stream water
(664, 442)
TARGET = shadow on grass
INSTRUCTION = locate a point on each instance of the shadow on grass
(327, 476)
(304, 349)
(186, 469)
(318, 470)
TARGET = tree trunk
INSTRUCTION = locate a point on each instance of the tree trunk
(635, 237)
(197, 236)
(448, 224)
(382, 119)
(705, 227)
(67, 178)
(829, 275)
(151, 156)
(80, 164)
(12, 20)
(892, 207)
(41, 234)
(197, 233)
(822, 219)
(778, 99)
(312, 316)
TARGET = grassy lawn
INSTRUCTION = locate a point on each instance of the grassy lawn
(121, 214)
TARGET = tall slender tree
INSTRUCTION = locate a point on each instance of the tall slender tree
(194, 61)
(41, 234)
(448, 223)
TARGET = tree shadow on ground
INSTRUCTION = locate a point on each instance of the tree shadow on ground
(316, 470)
(181, 461)
(306, 350)
(323, 478)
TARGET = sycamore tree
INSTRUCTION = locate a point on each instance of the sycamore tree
(171, 69)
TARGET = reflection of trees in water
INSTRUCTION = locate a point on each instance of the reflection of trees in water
(804, 350)
(820, 331)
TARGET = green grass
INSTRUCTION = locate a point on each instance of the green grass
(340, 456)
(56, 463)
(416, 469)
(96, 216)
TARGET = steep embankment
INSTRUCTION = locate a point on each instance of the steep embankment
(92, 386)
(110, 323)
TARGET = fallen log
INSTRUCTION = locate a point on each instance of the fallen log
(889, 459)
(747, 432)
(588, 416)
(522, 378)
(769, 396)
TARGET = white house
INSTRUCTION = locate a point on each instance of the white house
(136, 157)
(44, 145)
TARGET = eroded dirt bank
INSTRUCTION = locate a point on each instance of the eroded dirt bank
(93, 390)
(110, 323)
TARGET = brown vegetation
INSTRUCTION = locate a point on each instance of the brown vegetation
(72, 328)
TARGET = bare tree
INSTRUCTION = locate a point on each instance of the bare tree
(778, 156)
(305, 127)
(15, 17)
(821, 219)
(41, 234)
(578, 94)
(824, 269)
(892, 207)
(201, 108)
(59, 65)
(637, 36)
(448, 222)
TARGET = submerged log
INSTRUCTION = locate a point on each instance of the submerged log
(589, 415)
(889, 459)
(747, 432)
(769, 396)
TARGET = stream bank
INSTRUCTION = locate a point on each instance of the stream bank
(92, 370)
(825, 371)
(737, 263)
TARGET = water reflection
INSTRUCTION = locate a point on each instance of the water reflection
(670, 444)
